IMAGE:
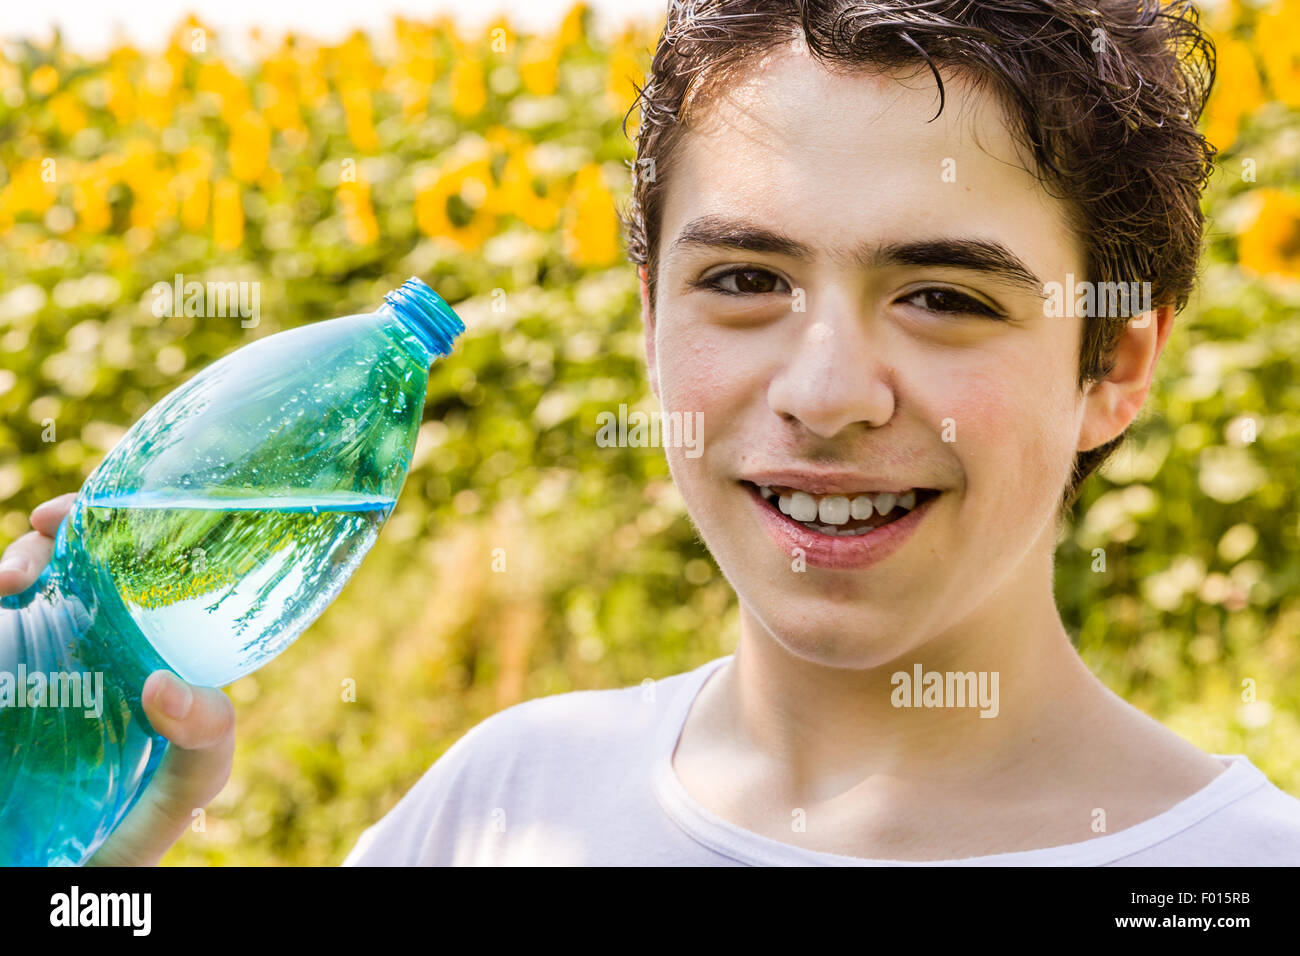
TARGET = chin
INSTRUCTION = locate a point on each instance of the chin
(830, 634)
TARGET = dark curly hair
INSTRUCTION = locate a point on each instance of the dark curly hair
(1105, 94)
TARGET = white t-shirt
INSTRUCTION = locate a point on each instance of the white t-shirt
(586, 778)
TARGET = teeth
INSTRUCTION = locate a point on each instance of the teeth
(803, 506)
(827, 513)
(833, 509)
(849, 533)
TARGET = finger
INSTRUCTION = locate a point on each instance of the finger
(197, 764)
(192, 773)
(191, 717)
(48, 514)
(23, 561)
(166, 809)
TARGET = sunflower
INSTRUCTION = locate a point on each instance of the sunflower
(1237, 93)
(227, 214)
(453, 201)
(590, 229)
(1270, 244)
(1278, 37)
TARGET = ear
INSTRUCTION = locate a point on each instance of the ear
(648, 321)
(1112, 403)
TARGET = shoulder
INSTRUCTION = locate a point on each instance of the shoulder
(585, 720)
(1241, 819)
(544, 757)
(1262, 828)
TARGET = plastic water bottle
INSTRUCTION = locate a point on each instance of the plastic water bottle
(218, 528)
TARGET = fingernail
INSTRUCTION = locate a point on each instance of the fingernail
(14, 563)
(175, 698)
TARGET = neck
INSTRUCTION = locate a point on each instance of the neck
(825, 728)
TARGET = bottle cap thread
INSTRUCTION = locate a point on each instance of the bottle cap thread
(426, 314)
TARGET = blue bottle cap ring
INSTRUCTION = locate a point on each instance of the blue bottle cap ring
(427, 313)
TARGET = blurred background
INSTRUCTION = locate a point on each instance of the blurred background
(332, 158)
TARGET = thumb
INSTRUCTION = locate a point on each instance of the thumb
(200, 724)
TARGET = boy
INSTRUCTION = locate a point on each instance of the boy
(848, 241)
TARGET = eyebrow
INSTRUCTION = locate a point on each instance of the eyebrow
(980, 255)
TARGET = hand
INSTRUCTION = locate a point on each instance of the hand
(199, 722)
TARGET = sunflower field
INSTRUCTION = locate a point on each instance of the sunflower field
(491, 163)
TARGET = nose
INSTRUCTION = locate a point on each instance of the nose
(836, 373)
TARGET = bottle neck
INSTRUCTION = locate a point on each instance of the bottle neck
(423, 313)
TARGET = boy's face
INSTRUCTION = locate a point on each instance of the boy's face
(910, 369)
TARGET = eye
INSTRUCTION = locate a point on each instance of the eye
(742, 281)
(951, 302)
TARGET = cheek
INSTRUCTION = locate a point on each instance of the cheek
(695, 375)
(702, 369)
(1014, 427)
(722, 374)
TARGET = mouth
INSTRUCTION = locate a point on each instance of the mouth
(840, 531)
(841, 515)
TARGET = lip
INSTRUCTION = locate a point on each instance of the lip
(838, 552)
(830, 482)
